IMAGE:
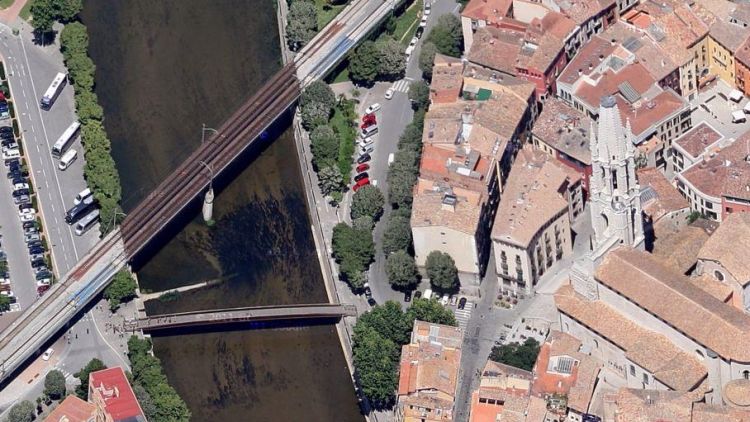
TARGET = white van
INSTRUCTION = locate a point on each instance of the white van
(427, 294)
(391, 157)
(738, 117)
(67, 159)
(81, 196)
(369, 131)
(87, 222)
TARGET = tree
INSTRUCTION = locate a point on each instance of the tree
(392, 62)
(519, 355)
(353, 250)
(144, 399)
(54, 384)
(389, 321)
(427, 59)
(430, 310)
(411, 140)
(74, 39)
(324, 145)
(401, 177)
(22, 412)
(138, 347)
(397, 236)
(66, 10)
(376, 365)
(122, 289)
(447, 36)
(44, 15)
(318, 92)
(369, 201)
(314, 114)
(4, 303)
(441, 269)
(419, 94)
(401, 270)
(330, 179)
(169, 405)
(302, 23)
(82, 391)
(364, 223)
(364, 63)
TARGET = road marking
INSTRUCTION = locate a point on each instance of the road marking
(46, 138)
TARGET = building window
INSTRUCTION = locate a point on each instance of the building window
(632, 370)
(645, 379)
(719, 275)
(746, 374)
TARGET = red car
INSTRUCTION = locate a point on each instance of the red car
(365, 125)
(363, 167)
(369, 119)
(360, 183)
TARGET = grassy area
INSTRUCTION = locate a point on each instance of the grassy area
(26, 10)
(343, 115)
(407, 23)
(342, 76)
(326, 12)
(4, 4)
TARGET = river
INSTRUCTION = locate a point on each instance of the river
(163, 69)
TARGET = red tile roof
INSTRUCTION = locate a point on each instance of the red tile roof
(490, 11)
(119, 399)
(72, 409)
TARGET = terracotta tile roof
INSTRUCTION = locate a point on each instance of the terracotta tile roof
(643, 279)
(713, 287)
(581, 11)
(648, 349)
(428, 209)
(582, 391)
(742, 54)
(726, 174)
(651, 111)
(659, 61)
(119, 399)
(446, 335)
(558, 25)
(496, 48)
(698, 139)
(487, 10)
(730, 36)
(586, 60)
(447, 79)
(679, 250)
(667, 198)
(532, 197)
(609, 82)
(652, 405)
(729, 245)
(565, 129)
(703, 412)
(502, 114)
(720, 9)
(72, 409)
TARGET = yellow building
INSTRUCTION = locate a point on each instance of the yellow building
(724, 41)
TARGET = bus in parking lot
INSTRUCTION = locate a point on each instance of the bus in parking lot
(53, 91)
(67, 138)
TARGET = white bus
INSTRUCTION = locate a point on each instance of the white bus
(87, 222)
(67, 138)
(53, 91)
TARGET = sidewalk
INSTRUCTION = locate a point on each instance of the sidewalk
(8, 16)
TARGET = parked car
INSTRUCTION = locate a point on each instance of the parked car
(389, 93)
(11, 154)
(365, 125)
(363, 158)
(30, 230)
(44, 282)
(417, 294)
(36, 250)
(367, 149)
(420, 31)
(423, 22)
(361, 176)
(35, 257)
(407, 296)
(454, 299)
(29, 224)
(444, 300)
(9, 145)
(19, 186)
(22, 199)
(31, 237)
(20, 192)
(28, 214)
(48, 354)
(6, 129)
(366, 141)
(38, 263)
(372, 108)
(362, 167)
(371, 301)
(369, 118)
(427, 8)
(34, 244)
(360, 183)
(43, 275)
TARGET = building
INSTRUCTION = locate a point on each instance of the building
(72, 409)
(627, 64)
(656, 330)
(447, 79)
(503, 390)
(428, 373)
(591, 17)
(694, 144)
(679, 249)
(468, 148)
(110, 392)
(481, 13)
(664, 209)
(723, 257)
(564, 132)
(718, 185)
(532, 225)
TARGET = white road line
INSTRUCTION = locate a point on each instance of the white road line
(44, 130)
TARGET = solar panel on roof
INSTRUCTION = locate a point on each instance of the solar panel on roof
(632, 44)
(647, 194)
(629, 92)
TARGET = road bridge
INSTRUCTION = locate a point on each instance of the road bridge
(248, 314)
(50, 314)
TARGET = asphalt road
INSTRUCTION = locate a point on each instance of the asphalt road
(30, 69)
(393, 118)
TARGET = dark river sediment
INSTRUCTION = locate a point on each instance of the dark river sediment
(163, 69)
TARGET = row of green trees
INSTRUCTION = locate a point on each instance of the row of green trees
(100, 170)
(378, 337)
(301, 23)
(120, 290)
(54, 389)
(46, 12)
(377, 60)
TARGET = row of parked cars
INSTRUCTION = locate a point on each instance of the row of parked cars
(22, 193)
(366, 143)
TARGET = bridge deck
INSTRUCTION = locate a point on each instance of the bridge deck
(258, 313)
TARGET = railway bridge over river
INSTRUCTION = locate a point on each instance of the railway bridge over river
(48, 315)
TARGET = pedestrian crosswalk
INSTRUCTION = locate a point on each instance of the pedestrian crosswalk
(401, 86)
(463, 315)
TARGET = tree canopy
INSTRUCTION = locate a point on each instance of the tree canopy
(447, 36)
(82, 391)
(401, 269)
(364, 63)
(353, 249)
(519, 355)
(330, 179)
(419, 94)
(22, 412)
(369, 201)
(392, 62)
(122, 289)
(324, 145)
(302, 23)
(54, 384)
(397, 235)
(441, 269)
(427, 59)
(430, 310)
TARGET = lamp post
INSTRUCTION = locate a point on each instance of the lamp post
(203, 132)
(208, 200)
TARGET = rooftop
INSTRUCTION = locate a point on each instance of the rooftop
(650, 350)
(72, 409)
(729, 244)
(447, 79)
(635, 405)
(645, 280)
(533, 197)
(679, 250)
(727, 173)
(729, 35)
(438, 205)
(491, 11)
(713, 287)
(565, 129)
(698, 139)
(580, 11)
(119, 400)
(661, 198)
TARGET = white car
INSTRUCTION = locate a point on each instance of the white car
(8, 293)
(413, 42)
(444, 300)
(372, 108)
(28, 214)
(427, 9)
(366, 142)
(366, 149)
(389, 93)
(19, 186)
(11, 154)
(83, 195)
(423, 22)
(48, 354)
(408, 52)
